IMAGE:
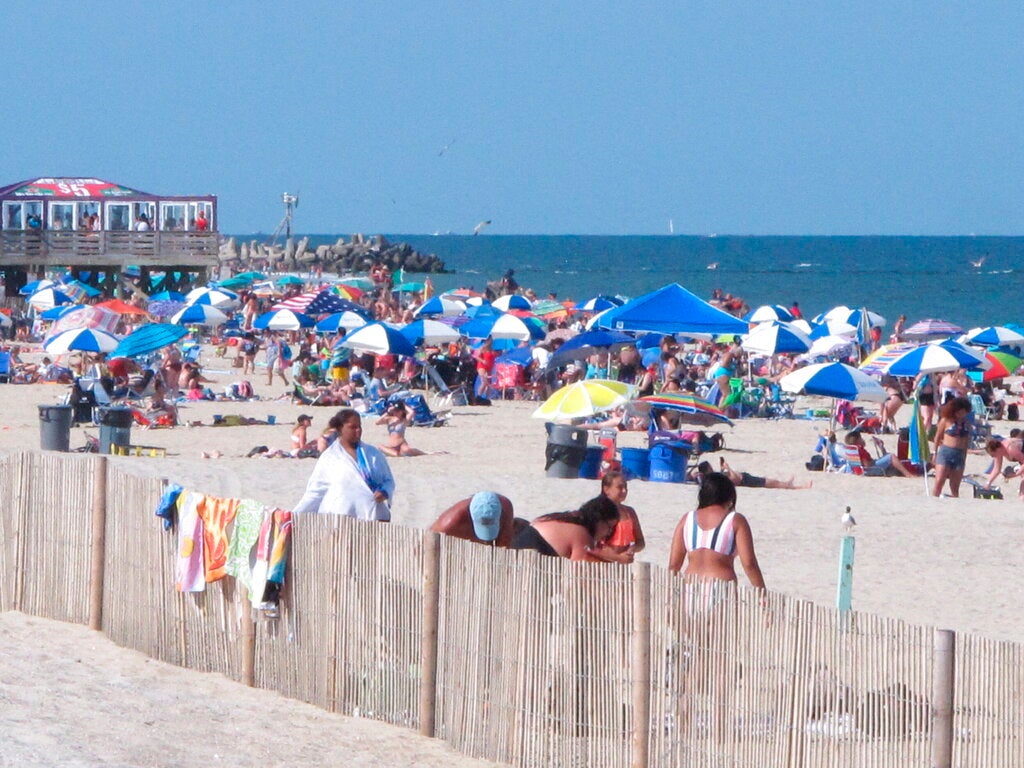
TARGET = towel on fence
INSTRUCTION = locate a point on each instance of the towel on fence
(245, 532)
(168, 504)
(217, 515)
(271, 552)
(189, 567)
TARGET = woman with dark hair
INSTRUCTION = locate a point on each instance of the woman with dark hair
(626, 538)
(952, 439)
(708, 540)
(570, 534)
(350, 478)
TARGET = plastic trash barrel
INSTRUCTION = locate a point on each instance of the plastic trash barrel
(591, 466)
(566, 449)
(55, 427)
(115, 428)
(636, 463)
(668, 462)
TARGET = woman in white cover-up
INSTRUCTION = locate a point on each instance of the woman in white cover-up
(350, 478)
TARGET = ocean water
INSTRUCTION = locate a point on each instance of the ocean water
(967, 280)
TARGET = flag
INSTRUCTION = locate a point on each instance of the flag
(918, 451)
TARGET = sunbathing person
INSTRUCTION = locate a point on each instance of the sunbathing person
(485, 518)
(397, 419)
(746, 480)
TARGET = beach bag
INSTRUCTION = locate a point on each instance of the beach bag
(816, 464)
(286, 352)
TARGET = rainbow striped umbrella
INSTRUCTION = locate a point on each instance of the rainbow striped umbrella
(692, 409)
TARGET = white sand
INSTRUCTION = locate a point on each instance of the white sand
(949, 563)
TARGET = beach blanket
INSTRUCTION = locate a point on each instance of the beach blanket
(245, 532)
(189, 574)
(271, 552)
(217, 515)
(341, 485)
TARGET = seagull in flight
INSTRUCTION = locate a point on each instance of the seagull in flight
(446, 147)
(479, 227)
(848, 521)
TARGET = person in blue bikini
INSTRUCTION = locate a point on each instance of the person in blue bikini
(952, 439)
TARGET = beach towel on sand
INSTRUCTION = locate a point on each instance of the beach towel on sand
(245, 532)
(189, 573)
(217, 515)
(271, 552)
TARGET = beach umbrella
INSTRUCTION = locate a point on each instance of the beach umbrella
(265, 290)
(364, 283)
(505, 327)
(584, 398)
(164, 308)
(589, 343)
(430, 333)
(378, 338)
(78, 290)
(214, 297)
(775, 338)
(168, 296)
(282, 320)
(148, 338)
(82, 340)
(320, 303)
(347, 320)
(671, 309)
(290, 280)
(55, 313)
(199, 314)
(924, 330)
(5, 320)
(917, 449)
(440, 305)
(36, 285)
(877, 363)
(994, 336)
(598, 304)
(408, 287)
(234, 282)
(827, 346)
(349, 292)
(251, 277)
(1009, 361)
(855, 317)
(692, 409)
(937, 357)
(511, 301)
(122, 307)
(549, 310)
(767, 313)
(86, 316)
(997, 370)
(836, 380)
(833, 328)
(48, 298)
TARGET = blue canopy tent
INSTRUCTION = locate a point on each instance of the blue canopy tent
(671, 309)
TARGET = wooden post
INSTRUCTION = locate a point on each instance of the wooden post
(844, 592)
(99, 543)
(247, 630)
(428, 648)
(641, 664)
(942, 698)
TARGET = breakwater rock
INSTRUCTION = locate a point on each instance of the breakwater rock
(355, 255)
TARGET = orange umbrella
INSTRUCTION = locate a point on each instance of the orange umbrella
(122, 307)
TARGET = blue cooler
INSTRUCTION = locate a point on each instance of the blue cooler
(590, 469)
(668, 462)
(636, 463)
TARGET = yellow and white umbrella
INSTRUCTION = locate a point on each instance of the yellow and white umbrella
(584, 398)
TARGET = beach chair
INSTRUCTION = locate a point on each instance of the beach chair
(981, 430)
(446, 397)
(509, 377)
(852, 455)
(422, 416)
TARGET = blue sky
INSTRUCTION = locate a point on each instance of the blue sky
(571, 117)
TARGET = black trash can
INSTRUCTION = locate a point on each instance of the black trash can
(55, 427)
(566, 449)
(115, 427)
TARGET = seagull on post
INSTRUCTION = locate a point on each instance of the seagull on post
(848, 521)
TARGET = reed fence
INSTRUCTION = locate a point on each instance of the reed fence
(510, 656)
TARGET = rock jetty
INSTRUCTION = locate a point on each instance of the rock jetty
(355, 255)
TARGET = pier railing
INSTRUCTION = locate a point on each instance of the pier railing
(73, 248)
(510, 656)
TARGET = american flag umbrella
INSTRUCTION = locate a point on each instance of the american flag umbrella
(282, 320)
(931, 329)
(692, 409)
(82, 340)
(320, 303)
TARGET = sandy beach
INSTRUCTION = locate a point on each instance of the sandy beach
(936, 562)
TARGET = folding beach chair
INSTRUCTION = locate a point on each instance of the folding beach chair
(853, 460)
(509, 377)
(446, 396)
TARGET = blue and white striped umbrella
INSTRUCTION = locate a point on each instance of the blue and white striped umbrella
(282, 320)
(938, 357)
(836, 380)
(855, 317)
(199, 314)
(512, 301)
(82, 340)
(598, 304)
(215, 297)
(768, 312)
(776, 338)
(48, 298)
(439, 305)
(36, 285)
(994, 336)
(378, 338)
(430, 332)
(348, 320)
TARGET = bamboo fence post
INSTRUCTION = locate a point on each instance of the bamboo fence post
(99, 543)
(942, 698)
(247, 629)
(428, 645)
(641, 664)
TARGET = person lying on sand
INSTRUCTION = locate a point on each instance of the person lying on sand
(746, 480)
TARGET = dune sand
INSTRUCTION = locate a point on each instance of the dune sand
(948, 563)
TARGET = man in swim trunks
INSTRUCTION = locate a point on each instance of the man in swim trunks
(747, 480)
(484, 517)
